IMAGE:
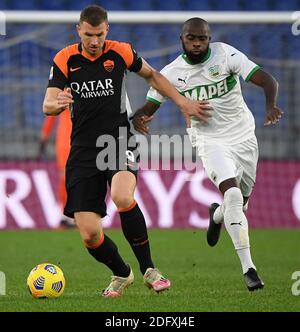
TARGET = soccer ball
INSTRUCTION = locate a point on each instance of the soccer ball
(46, 281)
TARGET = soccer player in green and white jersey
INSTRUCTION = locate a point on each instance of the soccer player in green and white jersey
(226, 141)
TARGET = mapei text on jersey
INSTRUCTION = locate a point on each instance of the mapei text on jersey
(211, 91)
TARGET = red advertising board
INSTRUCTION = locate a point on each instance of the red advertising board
(169, 199)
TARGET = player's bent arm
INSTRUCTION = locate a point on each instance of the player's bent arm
(56, 101)
(269, 84)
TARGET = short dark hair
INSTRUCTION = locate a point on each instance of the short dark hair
(194, 21)
(93, 15)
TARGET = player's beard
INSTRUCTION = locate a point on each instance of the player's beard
(195, 58)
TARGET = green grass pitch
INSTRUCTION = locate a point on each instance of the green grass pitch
(203, 278)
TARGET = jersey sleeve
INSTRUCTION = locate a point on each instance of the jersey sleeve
(239, 64)
(59, 71)
(155, 97)
(132, 60)
(137, 62)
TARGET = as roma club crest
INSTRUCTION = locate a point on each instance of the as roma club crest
(109, 65)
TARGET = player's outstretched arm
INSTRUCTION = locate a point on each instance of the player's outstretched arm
(56, 101)
(199, 110)
(270, 86)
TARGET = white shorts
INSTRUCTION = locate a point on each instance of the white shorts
(222, 162)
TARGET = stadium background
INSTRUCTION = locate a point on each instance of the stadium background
(28, 185)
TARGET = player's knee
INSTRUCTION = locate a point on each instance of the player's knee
(122, 201)
(233, 197)
(89, 234)
(91, 238)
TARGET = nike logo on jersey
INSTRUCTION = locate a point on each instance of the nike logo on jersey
(233, 54)
(74, 69)
(236, 223)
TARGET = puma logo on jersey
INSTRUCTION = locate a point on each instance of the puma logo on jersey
(181, 80)
(74, 69)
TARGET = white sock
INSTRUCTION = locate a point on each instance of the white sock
(219, 214)
(245, 258)
(236, 225)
